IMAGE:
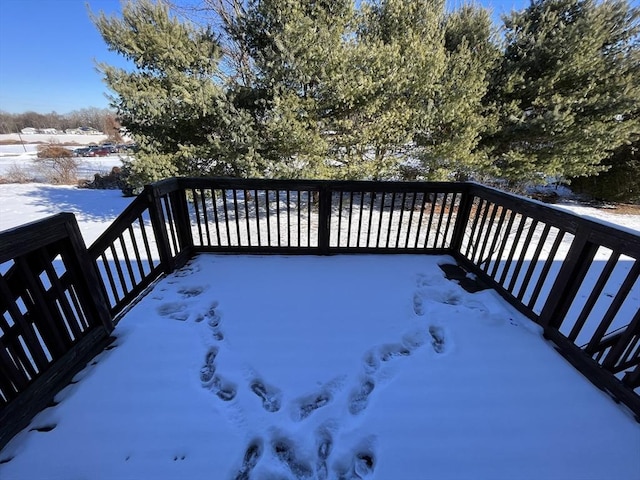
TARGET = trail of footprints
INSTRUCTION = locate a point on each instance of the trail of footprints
(360, 465)
(362, 461)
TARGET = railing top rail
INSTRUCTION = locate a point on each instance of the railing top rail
(306, 184)
(33, 235)
(163, 187)
(135, 208)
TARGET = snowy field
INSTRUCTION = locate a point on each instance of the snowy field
(22, 158)
(71, 139)
(261, 367)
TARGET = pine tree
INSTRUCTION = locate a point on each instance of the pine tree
(353, 93)
(385, 90)
(173, 101)
(620, 182)
(449, 146)
(296, 49)
(399, 61)
(566, 88)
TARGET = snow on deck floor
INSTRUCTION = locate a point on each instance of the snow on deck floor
(326, 367)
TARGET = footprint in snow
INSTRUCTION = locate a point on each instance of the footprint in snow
(306, 405)
(270, 396)
(324, 441)
(359, 397)
(251, 457)
(189, 292)
(188, 269)
(174, 310)
(213, 319)
(448, 297)
(415, 339)
(423, 280)
(43, 428)
(384, 353)
(418, 304)
(208, 371)
(225, 390)
(284, 449)
(364, 464)
(437, 339)
(390, 351)
(360, 465)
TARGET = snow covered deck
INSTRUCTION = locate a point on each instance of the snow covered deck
(371, 366)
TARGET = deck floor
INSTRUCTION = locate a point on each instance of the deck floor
(326, 367)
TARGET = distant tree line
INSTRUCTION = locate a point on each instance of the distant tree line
(381, 89)
(96, 118)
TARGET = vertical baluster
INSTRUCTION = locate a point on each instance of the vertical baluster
(410, 221)
(340, 218)
(422, 206)
(245, 198)
(360, 217)
(288, 218)
(268, 213)
(236, 212)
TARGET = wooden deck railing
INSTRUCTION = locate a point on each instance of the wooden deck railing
(577, 278)
(53, 318)
(60, 299)
(141, 244)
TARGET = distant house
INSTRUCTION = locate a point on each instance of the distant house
(28, 131)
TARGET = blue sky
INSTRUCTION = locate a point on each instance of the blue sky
(48, 53)
(49, 50)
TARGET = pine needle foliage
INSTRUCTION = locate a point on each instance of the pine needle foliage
(375, 89)
(172, 101)
(565, 90)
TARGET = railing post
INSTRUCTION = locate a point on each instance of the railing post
(159, 229)
(89, 271)
(324, 214)
(462, 218)
(180, 210)
(565, 288)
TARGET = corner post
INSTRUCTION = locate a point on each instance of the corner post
(158, 222)
(88, 270)
(462, 218)
(180, 208)
(565, 288)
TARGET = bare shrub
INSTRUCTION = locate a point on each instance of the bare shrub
(58, 164)
(17, 174)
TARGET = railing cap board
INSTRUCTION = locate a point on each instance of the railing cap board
(314, 185)
(129, 215)
(163, 187)
(17, 241)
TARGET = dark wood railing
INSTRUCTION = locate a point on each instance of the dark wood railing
(145, 241)
(321, 217)
(556, 268)
(60, 300)
(53, 319)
